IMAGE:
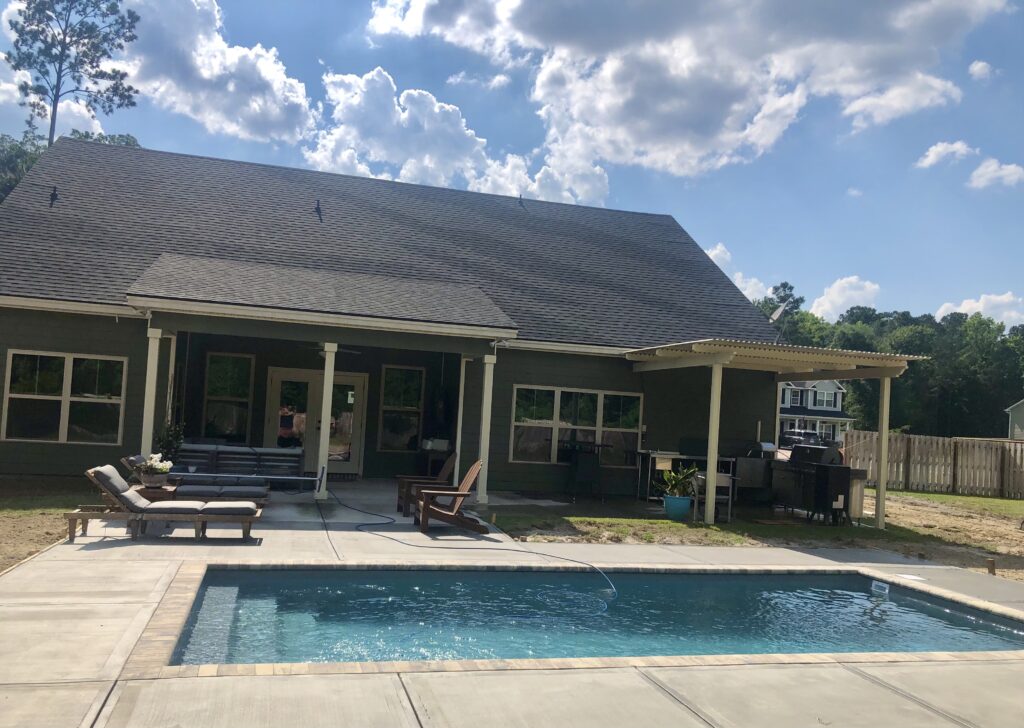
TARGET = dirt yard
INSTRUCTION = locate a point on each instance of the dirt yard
(942, 529)
(30, 513)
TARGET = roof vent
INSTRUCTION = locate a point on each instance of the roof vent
(317, 210)
(53, 196)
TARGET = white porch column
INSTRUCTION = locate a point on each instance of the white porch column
(149, 394)
(485, 426)
(883, 450)
(778, 412)
(714, 416)
(457, 472)
(330, 350)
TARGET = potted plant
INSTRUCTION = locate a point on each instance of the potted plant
(679, 491)
(153, 472)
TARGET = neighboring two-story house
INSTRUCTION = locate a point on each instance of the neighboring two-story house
(814, 406)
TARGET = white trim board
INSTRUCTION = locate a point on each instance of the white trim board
(312, 318)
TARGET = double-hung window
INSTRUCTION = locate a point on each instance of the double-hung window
(228, 402)
(794, 397)
(401, 409)
(70, 398)
(548, 423)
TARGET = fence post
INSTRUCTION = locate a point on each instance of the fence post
(906, 461)
(953, 476)
(1004, 456)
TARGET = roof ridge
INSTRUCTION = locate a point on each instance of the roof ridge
(64, 140)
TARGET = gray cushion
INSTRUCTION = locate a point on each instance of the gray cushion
(175, 506)
(198, 491)
(243, 491)
(134, 502)
(110, 479)
(230, 508)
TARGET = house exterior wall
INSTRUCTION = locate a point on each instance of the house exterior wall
(676, 404)
(439, 402)
(674, 416)
(79, 334)
(1016, 422)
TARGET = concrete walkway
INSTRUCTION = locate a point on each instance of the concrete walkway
(70, 617)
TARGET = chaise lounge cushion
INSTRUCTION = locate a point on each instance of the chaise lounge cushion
(229, 508)
(198, 491)
(111, 481)
(243, 491)
(175, 507)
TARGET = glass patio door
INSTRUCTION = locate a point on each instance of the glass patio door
(294, 397)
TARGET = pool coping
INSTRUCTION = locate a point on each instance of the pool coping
(155, 647)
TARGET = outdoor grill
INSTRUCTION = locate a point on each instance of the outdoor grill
(813, 480)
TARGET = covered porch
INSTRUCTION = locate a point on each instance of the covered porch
(787, 363)
(266, 356)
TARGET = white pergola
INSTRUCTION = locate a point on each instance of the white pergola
(789, 364)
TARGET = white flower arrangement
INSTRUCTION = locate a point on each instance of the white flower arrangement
(155, 465)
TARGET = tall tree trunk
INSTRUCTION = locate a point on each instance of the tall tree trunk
(53, 121)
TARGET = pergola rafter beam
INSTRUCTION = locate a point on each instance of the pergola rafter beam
(819, 375)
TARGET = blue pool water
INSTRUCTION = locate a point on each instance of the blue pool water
(342, 616)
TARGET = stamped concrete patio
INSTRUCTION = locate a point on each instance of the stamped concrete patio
(71, 617)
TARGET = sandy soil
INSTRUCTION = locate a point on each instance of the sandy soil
(26, 533)
(962, 537)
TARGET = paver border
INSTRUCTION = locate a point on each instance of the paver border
(153, 651)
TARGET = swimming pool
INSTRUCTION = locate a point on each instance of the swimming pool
(295, 615)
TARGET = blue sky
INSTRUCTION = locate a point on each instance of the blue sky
(790, 137)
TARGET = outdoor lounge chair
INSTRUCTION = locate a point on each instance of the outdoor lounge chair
(430, 504)
(140, 510)
(410, 485)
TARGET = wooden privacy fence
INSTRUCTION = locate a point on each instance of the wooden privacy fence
(961, 465)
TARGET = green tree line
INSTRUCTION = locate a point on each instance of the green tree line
(974, 370)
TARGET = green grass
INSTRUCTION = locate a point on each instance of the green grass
(44, 495)
(992, 506)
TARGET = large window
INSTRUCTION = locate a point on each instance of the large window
(609, 419)
(73, 398)
(401, 409)
(794, 398)
(228, 404)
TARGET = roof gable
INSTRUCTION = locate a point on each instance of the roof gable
(563, 273)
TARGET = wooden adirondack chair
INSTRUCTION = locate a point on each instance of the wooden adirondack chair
(428, 505)
(410, 485)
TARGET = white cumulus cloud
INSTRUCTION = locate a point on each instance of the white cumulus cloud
(842, 294)
(720, 254)
(751, 287)
(992, 171)
(373, 129)
(492, 83)
(943, 150)
(690, 87)
(182, 62)
(1005, 307)
(854, 192)
(980, 70)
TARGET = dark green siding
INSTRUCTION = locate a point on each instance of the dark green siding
(676, 404)
(675, 401)
(78, 334)
(440, 396)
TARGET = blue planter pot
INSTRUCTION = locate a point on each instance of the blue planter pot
(677, 507)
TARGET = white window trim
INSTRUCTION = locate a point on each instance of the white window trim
(247, 400)
(555, 426)
(64, 398)
(382, 408)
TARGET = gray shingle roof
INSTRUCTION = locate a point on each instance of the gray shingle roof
(563, 273)
(215, 280)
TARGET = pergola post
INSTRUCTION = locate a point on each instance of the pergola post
(330, 349)
(882, 458)
(485, 426)
(714, 417)
(457, 471)
(149, 393)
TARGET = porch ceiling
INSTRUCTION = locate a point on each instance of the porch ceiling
(213, 286)
(788, 362)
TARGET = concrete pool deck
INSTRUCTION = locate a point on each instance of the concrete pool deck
(71, 620)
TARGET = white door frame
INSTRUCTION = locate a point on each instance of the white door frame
(315, 377)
